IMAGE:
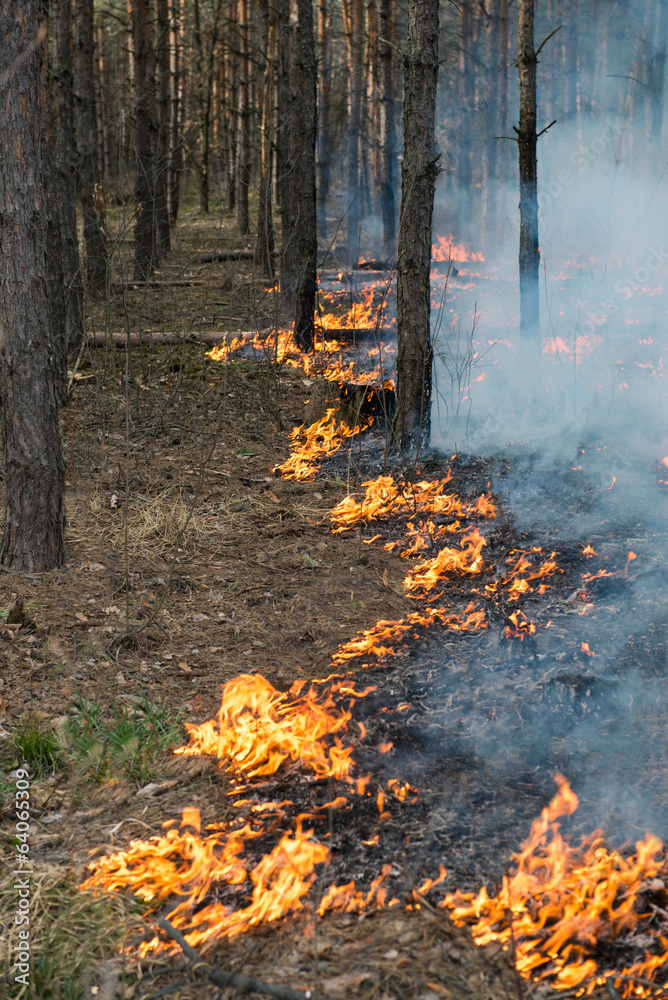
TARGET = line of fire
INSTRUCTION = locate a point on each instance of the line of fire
(484, 356)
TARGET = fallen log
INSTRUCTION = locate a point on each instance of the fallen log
(120, 286)
(148, 339)
(226, 255)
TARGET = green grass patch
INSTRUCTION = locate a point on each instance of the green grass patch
(128, 744)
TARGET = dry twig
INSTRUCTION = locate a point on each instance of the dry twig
(220, 977)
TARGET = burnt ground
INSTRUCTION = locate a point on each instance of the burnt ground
(190, 562)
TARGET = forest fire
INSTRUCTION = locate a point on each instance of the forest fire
(445, 248)
(566, 911)
(258, 728)
(425, 576)
(385, 498)
(385, 638)
(315, 442)
(362, 315)
(516, 585)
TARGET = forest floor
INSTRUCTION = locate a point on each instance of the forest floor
(190, 562)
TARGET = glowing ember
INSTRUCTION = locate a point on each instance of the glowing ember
(519, 626)
(313, 443)
(517, 585)
(258, 728)
(565, 908)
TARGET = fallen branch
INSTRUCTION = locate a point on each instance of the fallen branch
(216, 258)
(234, 979)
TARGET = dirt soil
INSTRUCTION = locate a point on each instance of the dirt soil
(189, 562)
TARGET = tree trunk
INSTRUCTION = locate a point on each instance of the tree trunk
(324, 111)
(354, 29)
(144, 177)
(264, 249)
(412, 421)
(387, 130)
(92, 204)
(299, 238)
(307, 227)
(244, 116)
(176, 141)
(658, 72)
(66, 174)
(31, 334)
(526, 144)
(162, 227)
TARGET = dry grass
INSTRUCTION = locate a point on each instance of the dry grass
(71, 933)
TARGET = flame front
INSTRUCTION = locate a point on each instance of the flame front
(313, 443)
(564, 906)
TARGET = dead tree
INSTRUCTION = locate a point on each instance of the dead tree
(66, 174)
(92, 201)
(32, 324)
(412, 420)
(529, 255)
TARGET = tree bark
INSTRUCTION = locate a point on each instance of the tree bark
(387, 130)
(324, 111)
(658, 71)
(412, 420)
(66, 174)
(265, 246)
(353, 20)
(243, 119)
(306, 229)
(162, 224)
(92, 202)
(178, 113)
(144, 177)
(529, 255)
(32, 329)
(299, 238)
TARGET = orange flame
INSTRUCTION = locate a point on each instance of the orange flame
(313, 443)
(386, 497)
(563, 905)
(386, 637)
(425, 576)
(445, 248)
(259, 727)
(361, 315)
(520, 626)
